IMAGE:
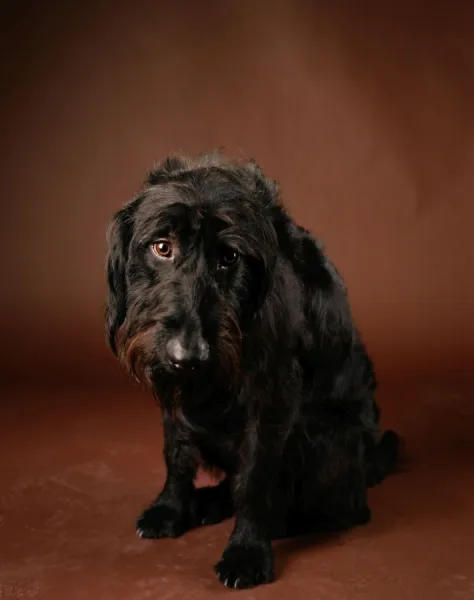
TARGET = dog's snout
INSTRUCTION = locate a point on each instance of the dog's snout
(182, 355)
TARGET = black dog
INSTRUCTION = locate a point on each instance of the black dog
(242, 327)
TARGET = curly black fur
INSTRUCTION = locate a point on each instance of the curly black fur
(241, 325)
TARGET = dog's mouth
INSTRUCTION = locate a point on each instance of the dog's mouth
(189, 372)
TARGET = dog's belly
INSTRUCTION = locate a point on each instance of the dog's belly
(206, 479)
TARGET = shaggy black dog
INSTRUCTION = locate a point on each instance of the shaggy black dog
(241, 325)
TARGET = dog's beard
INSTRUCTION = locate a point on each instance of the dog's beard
(138, 352)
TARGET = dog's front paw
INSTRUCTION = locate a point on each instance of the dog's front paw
(161, 521)
(242, 567)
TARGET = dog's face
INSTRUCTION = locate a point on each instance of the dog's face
(189, 264)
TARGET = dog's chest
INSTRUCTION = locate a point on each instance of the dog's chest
(218, 445)
(215, 423)
(218, 452)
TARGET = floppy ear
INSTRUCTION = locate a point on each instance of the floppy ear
(118, 240)
(268, 190)
(265, 192)
(331, 328)
(327, 304)
(330, 312)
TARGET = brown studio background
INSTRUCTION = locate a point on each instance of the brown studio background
(364, 113)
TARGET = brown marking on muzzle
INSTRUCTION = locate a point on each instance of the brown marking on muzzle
(135, 351)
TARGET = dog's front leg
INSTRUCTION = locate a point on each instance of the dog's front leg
(170, 515)
(248, 559)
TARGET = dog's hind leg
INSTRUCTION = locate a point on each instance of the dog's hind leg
(335, 512)
(331, 495)
(382, 458)
(315, 522)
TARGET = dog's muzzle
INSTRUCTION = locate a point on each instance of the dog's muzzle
(191, 355)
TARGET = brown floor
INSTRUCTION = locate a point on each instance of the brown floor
(76, 467)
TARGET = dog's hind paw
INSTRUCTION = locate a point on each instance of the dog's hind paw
(242, 567)
(160, 522)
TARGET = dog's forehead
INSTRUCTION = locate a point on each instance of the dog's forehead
(190, 206)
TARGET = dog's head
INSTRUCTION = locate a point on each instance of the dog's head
(189, 263)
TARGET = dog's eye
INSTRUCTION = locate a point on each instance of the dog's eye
(163, 249)
(227, 258)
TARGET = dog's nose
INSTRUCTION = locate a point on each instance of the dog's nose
(183, 356)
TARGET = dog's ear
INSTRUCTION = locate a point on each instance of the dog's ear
(331, 324)
(118, 240)
(268, 190)
(330, 312)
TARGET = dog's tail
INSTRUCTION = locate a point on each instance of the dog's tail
(383, 458)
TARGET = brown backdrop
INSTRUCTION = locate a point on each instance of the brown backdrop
(365, 115)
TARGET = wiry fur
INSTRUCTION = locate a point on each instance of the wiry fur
(283, 403)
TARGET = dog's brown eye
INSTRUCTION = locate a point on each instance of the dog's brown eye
(228, 257)
(163, 248)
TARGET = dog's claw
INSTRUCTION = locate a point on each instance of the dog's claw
(160, 521)
(242, 568)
